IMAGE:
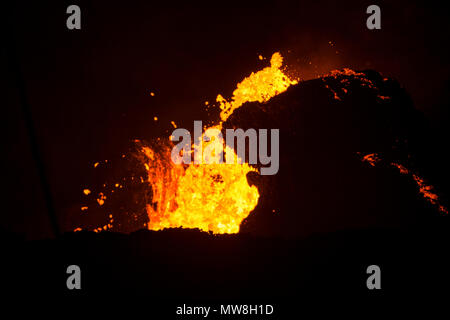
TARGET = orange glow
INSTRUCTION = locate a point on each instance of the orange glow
(424, 189)
(371, 158)
(101, 199)
(86, 191)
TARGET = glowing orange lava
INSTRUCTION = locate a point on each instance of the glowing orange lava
(424, 189)
(213, 197)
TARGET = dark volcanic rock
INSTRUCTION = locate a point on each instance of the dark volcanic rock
(182, 265)
(326, 126)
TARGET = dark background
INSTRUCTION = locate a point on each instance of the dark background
(88, 89)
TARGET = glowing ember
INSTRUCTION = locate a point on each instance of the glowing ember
(101, 199)
(371, 158)
(425, 190)
(343, 76)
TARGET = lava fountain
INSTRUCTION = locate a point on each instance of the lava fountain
(216, 197)
(208, 195)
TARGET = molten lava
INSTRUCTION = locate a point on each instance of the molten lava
(209, 196)
(424, 189)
